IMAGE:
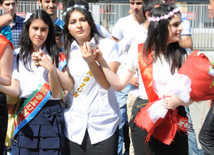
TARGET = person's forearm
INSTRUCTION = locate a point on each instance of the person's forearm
(5, 80)
(114, 39)
(12, 90)
(66, 82)
(186, 104)
(186, 42)
(54, 83)
(98, 75)
(6, 64)
(112, 78)
(5, 19)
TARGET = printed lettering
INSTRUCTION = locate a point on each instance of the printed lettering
(186, 125)
(79, 90)
(180, 123)
(83, 84)
(89, 72)
(29, 107)
(44, 91)
(75, 94)
(34, 102)
(86, 79)
(24, 112)
(17, 120)
(39, 96)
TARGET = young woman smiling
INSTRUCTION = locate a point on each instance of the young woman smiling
(155, 61)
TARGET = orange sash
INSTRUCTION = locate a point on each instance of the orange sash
(165, 128)
(146, 73)
(3, 43)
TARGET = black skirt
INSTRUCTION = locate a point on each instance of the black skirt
(44, 134)
(3, 121)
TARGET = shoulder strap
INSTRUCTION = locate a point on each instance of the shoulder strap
(146, 73)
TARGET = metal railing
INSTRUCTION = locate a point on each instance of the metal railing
(107, 14)
(201, 21)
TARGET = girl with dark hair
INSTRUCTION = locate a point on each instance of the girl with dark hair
(91, 111)
(39, 120)
(102, 31)
(155, 61)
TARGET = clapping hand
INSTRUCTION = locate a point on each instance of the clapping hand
(41, 59)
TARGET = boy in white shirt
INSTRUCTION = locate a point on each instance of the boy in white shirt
(125, 27)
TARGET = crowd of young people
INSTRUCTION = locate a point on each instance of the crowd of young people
(88, 120)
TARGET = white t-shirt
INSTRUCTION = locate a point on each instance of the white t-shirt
(139, 38)
(126, 29)
(103, 31)
(135, 37)
(125, 26)
(186, 31)
(88, 105)
(161, 73)
(186, 28)
(29, 80)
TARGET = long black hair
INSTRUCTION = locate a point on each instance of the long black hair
(67, 37)
(26, 45)
(158, 35)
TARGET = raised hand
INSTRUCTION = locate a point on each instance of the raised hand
(134, 81)
(35, 57)
(99, 56)
(87, 53)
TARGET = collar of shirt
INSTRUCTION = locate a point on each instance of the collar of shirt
(74, 44)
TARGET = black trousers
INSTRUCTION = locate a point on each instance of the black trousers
(179, 146)
(3, 121)
(106, 147)
(206, 135)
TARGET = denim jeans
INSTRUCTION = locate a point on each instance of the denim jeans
(192, 142)
(5, 150)
(121, 99)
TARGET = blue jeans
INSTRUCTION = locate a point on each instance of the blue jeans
(193, 147)
(5, 150)
(121, 99)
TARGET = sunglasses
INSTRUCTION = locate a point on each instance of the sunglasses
(137, 3)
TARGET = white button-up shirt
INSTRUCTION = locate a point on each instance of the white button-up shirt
(88, 105)
(29, 80)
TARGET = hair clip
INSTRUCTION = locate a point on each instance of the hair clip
(164, 17)
(27, 16)
(73, 7)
